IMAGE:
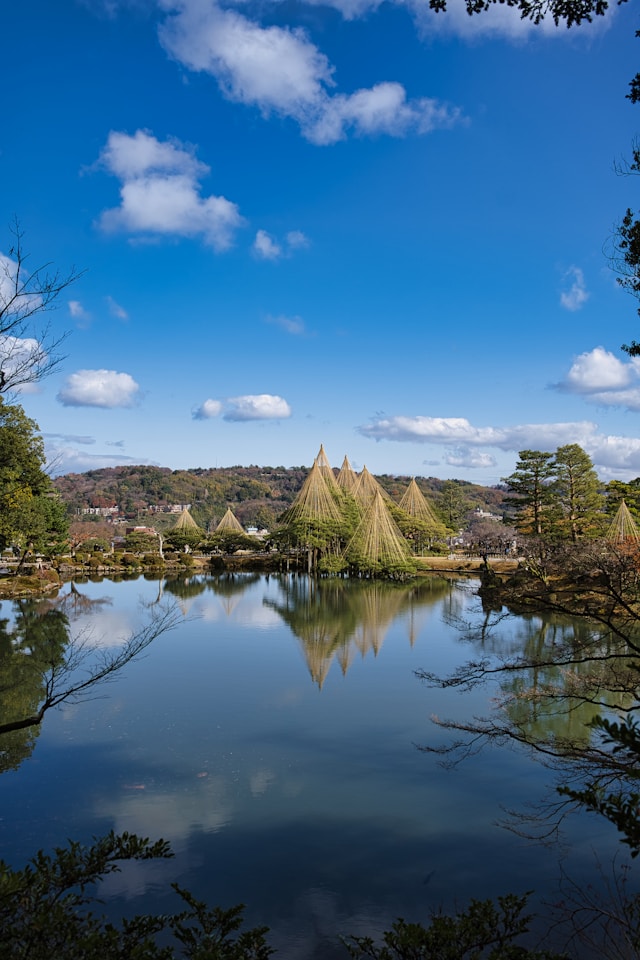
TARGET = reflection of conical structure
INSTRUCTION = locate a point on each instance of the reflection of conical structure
(317, 614)
(344, 657)
(377, 540)
(185, 522)
(333, 618)
(347, 478)
(376, 607)
(415, 504)
(366, 489)
(229, 588)
(230, 523)
(326, 469)
(623, 526)
(314, 500)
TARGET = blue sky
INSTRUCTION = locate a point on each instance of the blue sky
(345, 222)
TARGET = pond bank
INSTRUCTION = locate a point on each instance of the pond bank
(44, 581)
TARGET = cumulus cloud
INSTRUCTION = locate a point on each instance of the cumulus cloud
(292, 325)
(207, 410)
(610, 454)
(279, 70)
(604, 379)
(160, 193)
(577, 295)
(262, 406)
(265, 247)
(99, 388)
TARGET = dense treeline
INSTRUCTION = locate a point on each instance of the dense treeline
(258, 495)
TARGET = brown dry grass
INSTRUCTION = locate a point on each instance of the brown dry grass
(466, 564)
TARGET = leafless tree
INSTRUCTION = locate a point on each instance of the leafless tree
(29, 350)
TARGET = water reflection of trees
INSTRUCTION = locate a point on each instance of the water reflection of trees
(30, 646)
(552, 675)
(228, 586)
(43, 666)
(337, 619)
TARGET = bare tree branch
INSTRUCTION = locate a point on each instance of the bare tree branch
(28, 352)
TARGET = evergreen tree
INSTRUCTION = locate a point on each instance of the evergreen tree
(531, 482)
(577, 492)
(30, 515)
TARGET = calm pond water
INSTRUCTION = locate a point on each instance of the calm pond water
(272, 738)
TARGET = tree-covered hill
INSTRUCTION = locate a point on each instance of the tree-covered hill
(257, 495)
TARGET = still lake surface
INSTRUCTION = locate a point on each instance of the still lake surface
(273, 738)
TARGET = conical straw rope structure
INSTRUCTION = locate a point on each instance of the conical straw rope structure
(366, 489)
(314, 500)
(377, 539)
(185, 522)
(623, 526)
(415, 504)
(347, 478)
(326, 469)
(230, 523)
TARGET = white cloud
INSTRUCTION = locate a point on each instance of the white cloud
(99, 388)
(12, 300)
(471, 459)
(602, 378)
(65, 459)
(459, 431)
(293, 325)
(597, 370)
(20, 355)
(577, 295)
(207, 410)
(116, 310)
(610, 454)
(78, 313)
(263, 406)
(161, 194)
(383, 108)
(279, 70)
(266, 247)
(498, 20)
(296, 240)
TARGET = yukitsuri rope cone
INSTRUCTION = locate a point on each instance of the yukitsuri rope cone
(230, 522)
(326, 469)
(347, 478)
(377, 542)
(623, 527)
(314, 500)
(416, 505)
(377, 605)
(367, 488)
(185, 522)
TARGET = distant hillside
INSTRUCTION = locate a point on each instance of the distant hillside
(257, 495)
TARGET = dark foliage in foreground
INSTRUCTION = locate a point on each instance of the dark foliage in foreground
(47, 910)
